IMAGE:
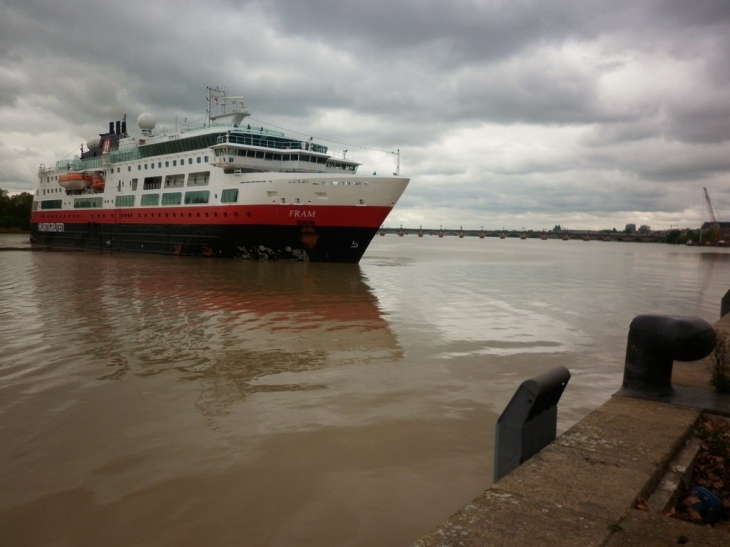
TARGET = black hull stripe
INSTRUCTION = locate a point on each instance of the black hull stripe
(302, 242)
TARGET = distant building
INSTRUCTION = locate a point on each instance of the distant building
(630, 229)
(644, 229)
(723, 227)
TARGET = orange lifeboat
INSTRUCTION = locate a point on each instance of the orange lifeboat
(97, 182)
(73, 181)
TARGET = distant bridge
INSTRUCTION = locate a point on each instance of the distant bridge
(584, 235)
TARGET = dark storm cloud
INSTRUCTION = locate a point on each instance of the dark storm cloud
(498, 107)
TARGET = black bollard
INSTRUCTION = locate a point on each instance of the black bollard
(654, 343)
(529, 422)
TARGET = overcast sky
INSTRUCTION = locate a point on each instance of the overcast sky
(585, 113)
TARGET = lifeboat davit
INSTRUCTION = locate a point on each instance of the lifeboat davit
(73, 181)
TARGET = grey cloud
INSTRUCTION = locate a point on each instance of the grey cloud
(395, 74)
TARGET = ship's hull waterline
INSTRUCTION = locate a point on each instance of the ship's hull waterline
(346, 245)
(216, 231)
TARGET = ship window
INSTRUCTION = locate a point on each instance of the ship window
(145, 166)
(286, 157)
(139, 167)
(159, 165)
(190, 161)
(167, 164)
(197, 196)
(205, 159)
(129, 167)
(260, 155)
(229, 196)
(174, 163)
(199, 179)
(152, 183)
(118, 169)
(85, 203)
(277, 157)
(241, 152)
(269, 156)
(51, 204)
(199, 160)
(150, 199)
(124, 201)
(134, 184)
(172, 198)
(175, 181)
(152, 165)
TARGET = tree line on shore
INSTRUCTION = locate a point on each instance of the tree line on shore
(15, 211)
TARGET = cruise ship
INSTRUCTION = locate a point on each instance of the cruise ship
(221, 188)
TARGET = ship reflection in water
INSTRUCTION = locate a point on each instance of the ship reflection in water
(236, 328)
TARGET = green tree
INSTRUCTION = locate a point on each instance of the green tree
(673, 236)
(15, 210)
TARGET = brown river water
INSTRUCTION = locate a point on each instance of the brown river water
(173, 401)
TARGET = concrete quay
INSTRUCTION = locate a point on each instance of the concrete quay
(581, 490)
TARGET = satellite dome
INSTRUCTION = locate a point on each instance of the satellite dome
(146, 121)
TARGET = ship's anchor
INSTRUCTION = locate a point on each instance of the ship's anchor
(354, 244)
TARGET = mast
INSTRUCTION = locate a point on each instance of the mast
(212, 104)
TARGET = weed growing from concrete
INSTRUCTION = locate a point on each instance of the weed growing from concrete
(720, 378)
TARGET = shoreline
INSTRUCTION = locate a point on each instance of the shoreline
(582, 489)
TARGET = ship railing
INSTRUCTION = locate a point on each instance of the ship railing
(270, 132)
(96, 163)
(78, 164)
(253, 139)
(344, 155)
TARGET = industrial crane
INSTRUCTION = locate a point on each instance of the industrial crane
(710, 210)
